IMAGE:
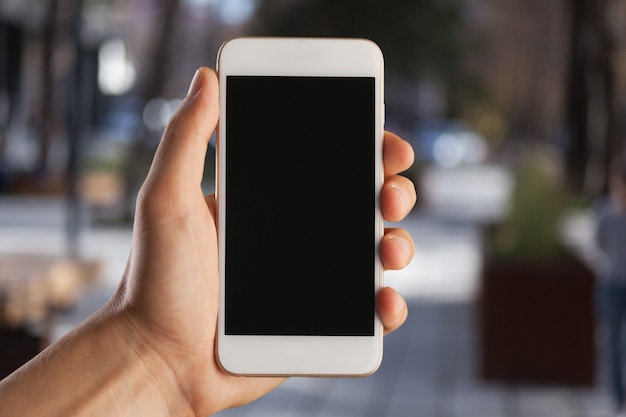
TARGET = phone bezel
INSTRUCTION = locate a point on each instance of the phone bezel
(299, 355)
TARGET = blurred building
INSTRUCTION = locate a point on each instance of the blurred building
(86, 87)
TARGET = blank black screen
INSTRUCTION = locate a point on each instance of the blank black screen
(300, 206)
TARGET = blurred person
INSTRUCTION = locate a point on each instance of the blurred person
(611, 239)
(150, 350)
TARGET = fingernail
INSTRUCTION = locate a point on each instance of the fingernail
(400, 306)
(403, 196)
(196, 84)
(403, 245)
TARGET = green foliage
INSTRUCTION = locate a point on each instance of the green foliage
(538, 203)
(417, 36)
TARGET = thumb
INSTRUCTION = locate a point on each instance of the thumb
(179, 160)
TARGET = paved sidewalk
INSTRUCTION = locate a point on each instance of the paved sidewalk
(429, 367)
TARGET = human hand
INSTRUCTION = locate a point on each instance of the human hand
(168, 300)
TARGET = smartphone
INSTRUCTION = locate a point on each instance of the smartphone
(299, 178)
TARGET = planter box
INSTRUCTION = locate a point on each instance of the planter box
(537, 322)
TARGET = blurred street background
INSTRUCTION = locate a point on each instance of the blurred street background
(516, 110)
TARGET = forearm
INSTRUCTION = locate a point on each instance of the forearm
(97, 370)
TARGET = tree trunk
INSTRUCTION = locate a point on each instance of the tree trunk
(577, 98)
(47, 113)
(590, 112)
(12, 41)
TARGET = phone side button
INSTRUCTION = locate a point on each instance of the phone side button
(384, 114)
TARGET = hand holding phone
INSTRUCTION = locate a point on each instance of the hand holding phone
(152, 345)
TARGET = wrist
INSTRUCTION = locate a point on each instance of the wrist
(147, 373)
(98, 369)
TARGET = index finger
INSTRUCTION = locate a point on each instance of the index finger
(398, 154)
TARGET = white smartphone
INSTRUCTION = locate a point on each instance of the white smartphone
(299, 178)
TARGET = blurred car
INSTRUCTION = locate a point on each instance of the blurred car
(448, 143)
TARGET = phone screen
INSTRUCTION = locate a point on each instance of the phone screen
(300, 201)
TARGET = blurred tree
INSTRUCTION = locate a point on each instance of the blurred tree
(591, 115)
(417, 36)
(520, 62)
(420, 38)
(161, 48)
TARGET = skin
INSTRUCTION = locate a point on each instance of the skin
(150, 350)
